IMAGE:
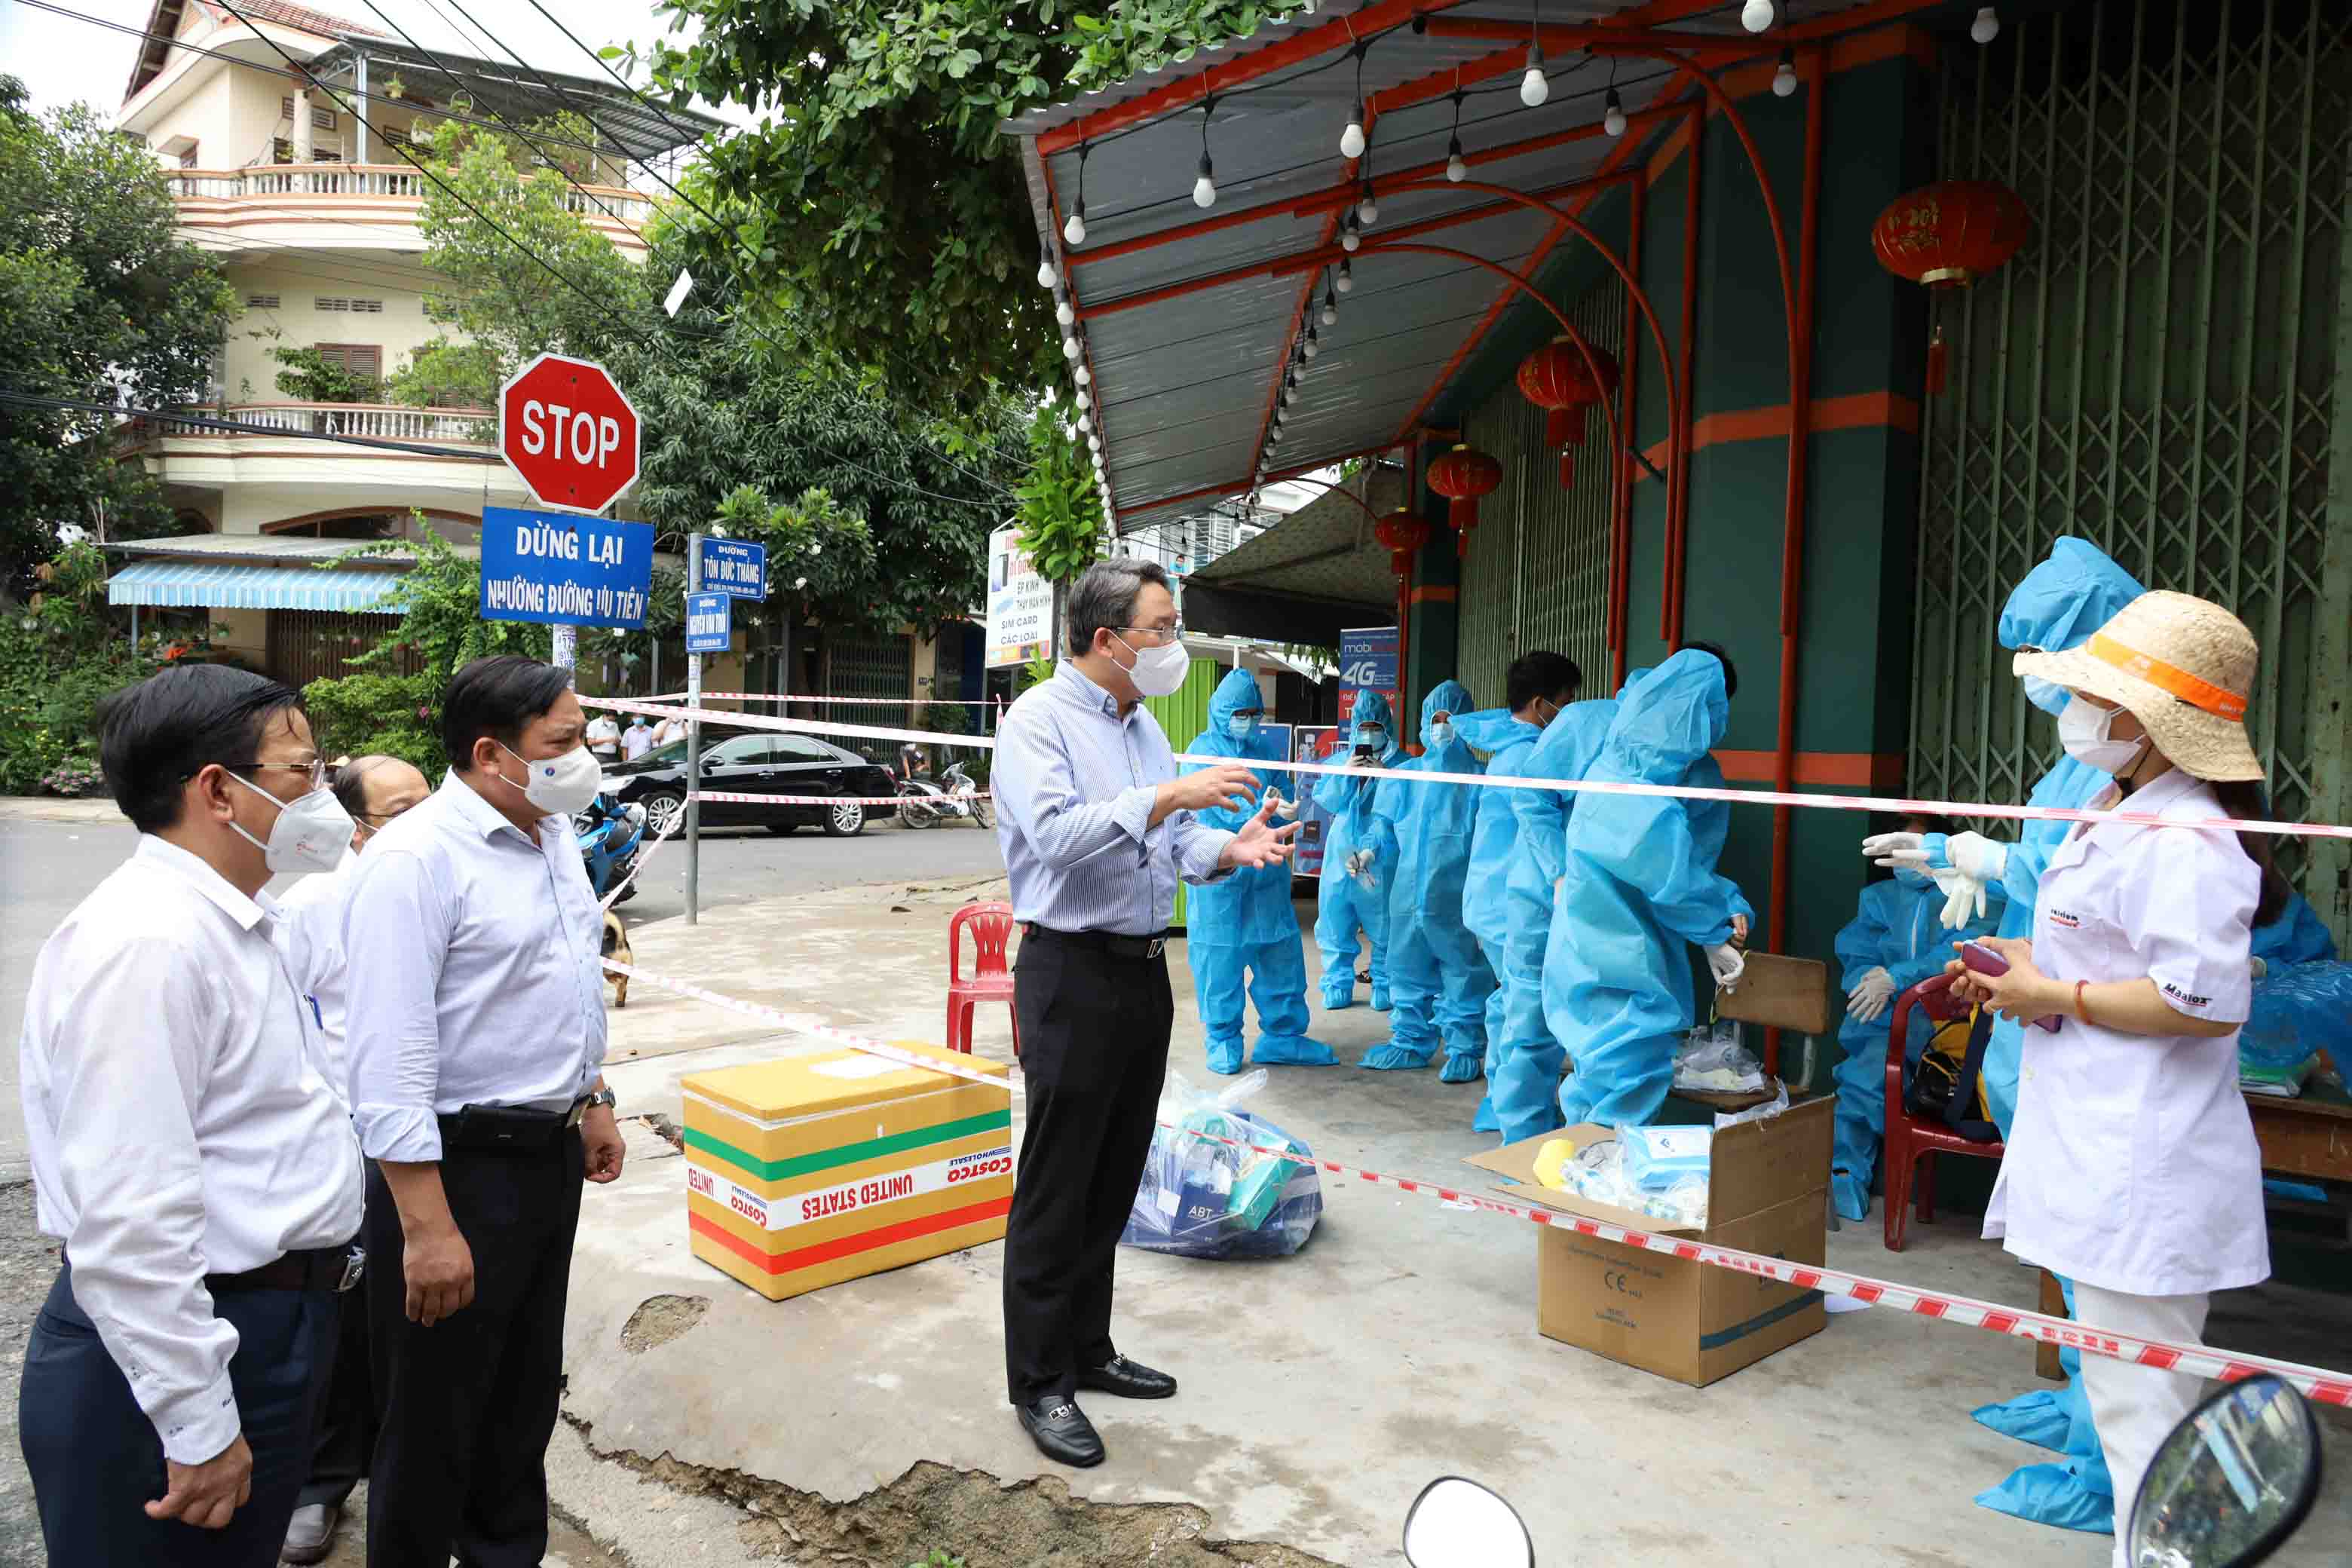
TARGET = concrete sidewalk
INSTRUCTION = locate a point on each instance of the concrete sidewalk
(866, 1423)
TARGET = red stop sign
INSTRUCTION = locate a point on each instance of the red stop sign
(565, 426)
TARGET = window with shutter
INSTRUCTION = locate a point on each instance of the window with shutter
(261, 301)
(188, 158)
(364, 359)
(285, 107)
(322, 120)
(331, 304)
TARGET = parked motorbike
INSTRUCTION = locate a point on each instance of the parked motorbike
(2228, 1486)
(956, 796)
(611, 838)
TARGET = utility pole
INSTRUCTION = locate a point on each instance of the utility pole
(694, 750)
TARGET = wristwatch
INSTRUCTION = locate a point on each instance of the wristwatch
(602, 1097)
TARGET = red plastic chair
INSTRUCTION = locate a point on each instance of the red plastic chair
(1910, 1142)
(992, 975)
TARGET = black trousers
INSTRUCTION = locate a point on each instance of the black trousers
(346, 1432)
(95, 1459)
(1094, 1050)
(464, 1408)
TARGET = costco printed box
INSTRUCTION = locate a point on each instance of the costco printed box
(809, 1170)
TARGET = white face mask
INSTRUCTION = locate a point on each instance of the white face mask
(2082, 730)
(1441, 734)
(560, 785)
(1156, 671)
(311, 833)
(1241, 727)
(1374, 737)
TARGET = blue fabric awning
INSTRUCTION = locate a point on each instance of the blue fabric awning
(182, 585)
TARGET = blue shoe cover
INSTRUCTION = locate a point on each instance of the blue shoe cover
(1293, 1050)
(1851, 1194)
(2052, 1494)
(1394, 1058)
(1335, 1000)
(1380, 999)
(1225, 1057)
(1485, 1120)
(1461, 1069)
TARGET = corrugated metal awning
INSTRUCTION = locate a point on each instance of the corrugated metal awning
(177, 584)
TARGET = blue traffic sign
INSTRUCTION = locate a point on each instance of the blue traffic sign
(733, 567)
(565, 570)
(709, 623)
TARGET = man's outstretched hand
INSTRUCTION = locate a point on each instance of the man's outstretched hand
(1224, 785)
(1259, 842)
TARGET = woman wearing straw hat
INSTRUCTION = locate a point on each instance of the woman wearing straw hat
(2132, 1167)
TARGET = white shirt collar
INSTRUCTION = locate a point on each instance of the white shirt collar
(198, 873)
(476, 812)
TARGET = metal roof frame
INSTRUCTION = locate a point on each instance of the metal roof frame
(1187, 321)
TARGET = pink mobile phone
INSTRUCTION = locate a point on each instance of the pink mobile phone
(1985, 961)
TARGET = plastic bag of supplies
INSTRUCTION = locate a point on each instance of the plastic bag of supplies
(1207, 1193)
(2299, 1010)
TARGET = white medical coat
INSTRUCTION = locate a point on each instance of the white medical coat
(2132, 1165)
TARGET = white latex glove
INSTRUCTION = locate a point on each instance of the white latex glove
(2257, 968)
(1282, 807)
(1892, 849)
(1727, 966)
(1869, 996)
(1964, 898)
(1977, 855)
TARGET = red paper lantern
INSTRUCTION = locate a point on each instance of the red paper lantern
(1951, 233)
(1556, 379)
(1403, 534)
(1462, 475)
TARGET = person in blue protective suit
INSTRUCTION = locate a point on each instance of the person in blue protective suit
(1896, 940)
(1538, 688)
(1242, 930)
(1436, 973)
(1358, 858)
(2297, 936)
(2074, 592)
(1640, 884)
(1524, 1086)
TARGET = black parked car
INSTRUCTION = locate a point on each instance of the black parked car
(755, 763)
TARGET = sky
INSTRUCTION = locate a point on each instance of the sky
(61, 58)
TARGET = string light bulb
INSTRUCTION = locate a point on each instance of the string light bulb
(1367, 210)
(1086, 424)
(1784, 78)
(1535, 87)
(1070, 348)
(1313, 347)
(1455, 169)
(1094, 443)
(1347, 276)
(1074, 232)
(1083, 399)
(1047, 276)
(1330, 305)
(1755, 16)
(1064, 312)
(1085, 375)
(1612, 119)
(1987, 26)
(1351, 234)
(1204, 188)
(1351, 139)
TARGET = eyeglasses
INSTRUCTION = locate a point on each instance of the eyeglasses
(1160, 636)
(314, 769)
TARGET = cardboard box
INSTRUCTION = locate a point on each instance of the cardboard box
(1768, 1192)
(812, 1170)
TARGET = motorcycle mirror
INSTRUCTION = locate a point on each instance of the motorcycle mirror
(1457, 1523)
(2232, 1482)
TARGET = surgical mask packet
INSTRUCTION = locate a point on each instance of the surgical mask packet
(1658, 1160)
(1216, 1185)
(1714, 1059)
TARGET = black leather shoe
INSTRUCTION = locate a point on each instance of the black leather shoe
(1062, 1432)
(1128, 1380)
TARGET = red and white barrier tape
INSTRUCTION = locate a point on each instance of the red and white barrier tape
(2196, 1361)
(643, 860)
(1884, 805)
(936, 803)
(851, 702)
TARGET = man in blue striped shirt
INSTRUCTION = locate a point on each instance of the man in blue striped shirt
(1095, 827)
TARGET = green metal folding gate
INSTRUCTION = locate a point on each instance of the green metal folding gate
(881, 667)
(2162, 370)
(1538, 572)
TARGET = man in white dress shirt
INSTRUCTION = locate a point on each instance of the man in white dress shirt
(476, 1028)
(199, 1171)
(374, 790)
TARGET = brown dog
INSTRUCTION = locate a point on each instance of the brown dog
(616, 946)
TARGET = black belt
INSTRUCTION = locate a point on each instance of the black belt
(1107, 942)
(514, 1129)
(331, 1268)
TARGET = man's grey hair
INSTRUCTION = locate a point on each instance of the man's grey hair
(1105, 597)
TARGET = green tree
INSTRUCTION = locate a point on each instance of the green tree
(1061, 510)
(310, 376)
(875, 198)
(100, 303)
(377, 709)
(60, 655)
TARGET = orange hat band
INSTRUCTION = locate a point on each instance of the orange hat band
(2192, 689)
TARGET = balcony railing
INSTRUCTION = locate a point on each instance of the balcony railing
(438, 426)
(394, 180)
